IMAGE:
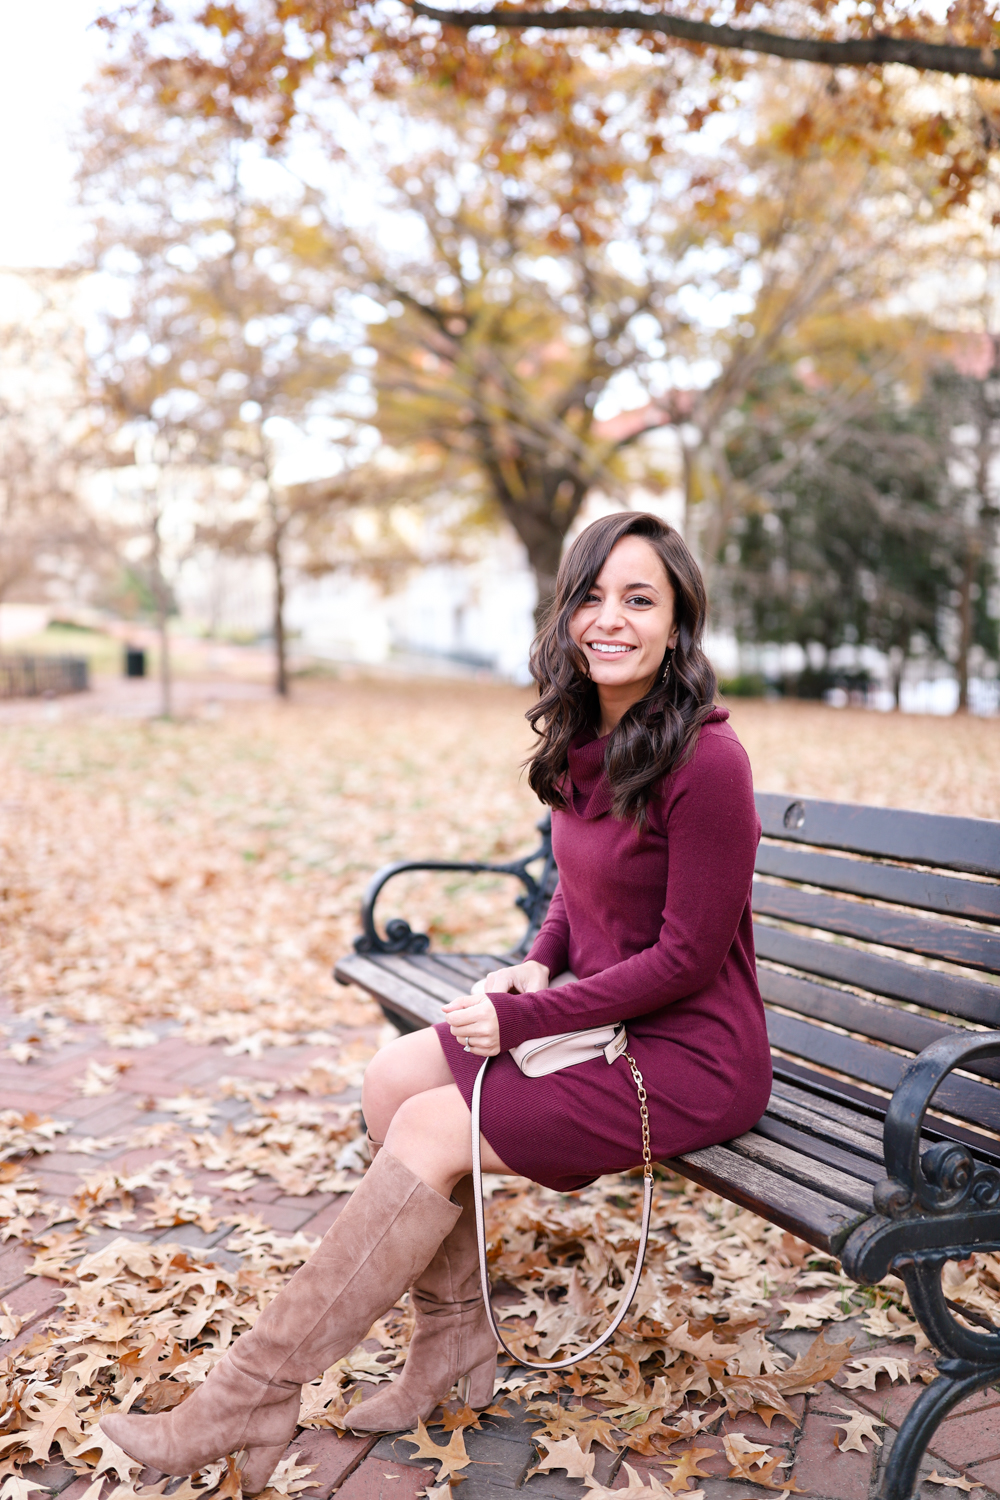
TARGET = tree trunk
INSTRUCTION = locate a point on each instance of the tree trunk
(166, 681)
(162, 595)
(965, 626)
(544, 556)
(897, 663)
(543, 538)
(276, 553)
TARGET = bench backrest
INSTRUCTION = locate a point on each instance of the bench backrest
(868, 953)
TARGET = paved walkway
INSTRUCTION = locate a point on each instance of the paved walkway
(385, 1469)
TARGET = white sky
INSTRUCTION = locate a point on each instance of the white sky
(47, 53)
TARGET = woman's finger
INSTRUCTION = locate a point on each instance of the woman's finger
(462, 1002)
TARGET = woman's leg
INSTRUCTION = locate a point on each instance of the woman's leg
(428, 1130)
(389, 1230)
(412, 1106)
(392, 1231)
(407, 1066)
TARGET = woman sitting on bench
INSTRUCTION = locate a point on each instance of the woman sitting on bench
(654, 831)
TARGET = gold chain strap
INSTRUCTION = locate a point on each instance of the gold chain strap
(647, 1161)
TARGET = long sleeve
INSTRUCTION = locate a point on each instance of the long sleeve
(551, 946)
(711, 830)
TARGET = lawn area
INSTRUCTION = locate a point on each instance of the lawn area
(216, 864)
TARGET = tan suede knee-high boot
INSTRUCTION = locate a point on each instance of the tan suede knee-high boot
(451, 1337)
(381, 1241)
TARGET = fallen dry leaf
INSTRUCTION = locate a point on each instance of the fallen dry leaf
(868, 1369)
(688, 1466)
(861, 1425)
(634, 1489)
(451, 1456)
(953, 1482)
(565, 1453)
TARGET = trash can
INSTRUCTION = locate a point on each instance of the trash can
(135, 661)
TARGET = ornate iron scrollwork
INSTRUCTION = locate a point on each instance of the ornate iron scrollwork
(971, 1360)
(946, 1178)
(399, 935)
(933, 1207)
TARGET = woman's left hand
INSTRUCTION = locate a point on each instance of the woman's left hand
(474, 1023)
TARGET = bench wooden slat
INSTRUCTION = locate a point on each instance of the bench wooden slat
(424, 972)
(825, 1128)
(825, 1087)
(820, 1150)
(842, 1186)
(971, 845)
(976, 1102)
(961, 945)
(882, 1022)
(796, 1208)
(954, 994)
(465, 966)
(972, 899)
(413, 1005)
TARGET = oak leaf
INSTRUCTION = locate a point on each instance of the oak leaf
(109, 1457)
(452, 1456)
(458, 1421)
(15, 1487)
(958, 1482)
(688, 1466)
(754, 1462)
(566, 1454)
(758, 1393)
(821, 1361)
(635, 1489)
(867, 1370)
(48, 1418)
(861, 1425)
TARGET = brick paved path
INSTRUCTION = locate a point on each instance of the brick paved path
(381, 1469)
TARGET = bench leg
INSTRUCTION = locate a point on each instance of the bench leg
(957, 1379)
(971, 1360)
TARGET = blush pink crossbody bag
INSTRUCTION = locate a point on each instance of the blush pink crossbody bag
(536, 1058)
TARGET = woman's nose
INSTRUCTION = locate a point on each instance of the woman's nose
(610, 615)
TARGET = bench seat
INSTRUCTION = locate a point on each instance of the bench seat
(878, 945)
(810, 1164)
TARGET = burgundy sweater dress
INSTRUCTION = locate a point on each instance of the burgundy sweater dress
(656, 925)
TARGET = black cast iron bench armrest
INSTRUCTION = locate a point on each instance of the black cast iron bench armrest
(400, 937)
(940, 1200)
(931, 1209)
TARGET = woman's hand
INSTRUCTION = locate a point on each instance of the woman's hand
(517, 980)
(474, 1023)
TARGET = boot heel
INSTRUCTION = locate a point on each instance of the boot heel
(476, 1388)
(258, 1466)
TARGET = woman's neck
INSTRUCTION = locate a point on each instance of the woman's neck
(614, 702)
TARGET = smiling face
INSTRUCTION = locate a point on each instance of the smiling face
(625, 625)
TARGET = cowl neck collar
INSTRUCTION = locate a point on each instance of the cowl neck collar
(590, 790)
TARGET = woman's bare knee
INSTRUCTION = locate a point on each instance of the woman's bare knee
(431, 1133)
(411, 1065)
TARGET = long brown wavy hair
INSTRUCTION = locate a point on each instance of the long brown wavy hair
(658, 732)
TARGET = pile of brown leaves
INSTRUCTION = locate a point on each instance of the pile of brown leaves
(145, 1322)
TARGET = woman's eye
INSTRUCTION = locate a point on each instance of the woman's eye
(639, 599)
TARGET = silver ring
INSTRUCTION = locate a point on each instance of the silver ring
(466, 1048)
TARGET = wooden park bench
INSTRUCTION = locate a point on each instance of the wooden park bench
(881, 1141)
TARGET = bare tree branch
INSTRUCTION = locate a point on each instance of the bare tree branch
(862, 52)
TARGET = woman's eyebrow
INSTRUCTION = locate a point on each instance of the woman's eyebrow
(650, 587)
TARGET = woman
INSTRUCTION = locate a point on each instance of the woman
(655, 831)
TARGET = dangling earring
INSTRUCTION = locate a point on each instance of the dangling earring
(666, 669)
